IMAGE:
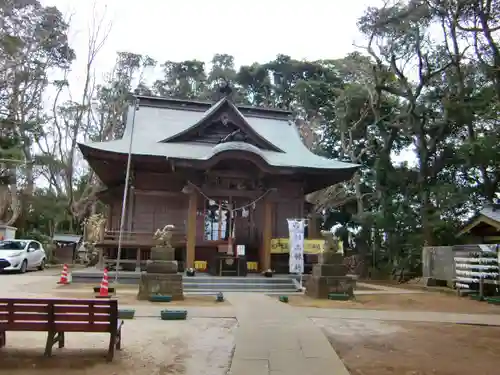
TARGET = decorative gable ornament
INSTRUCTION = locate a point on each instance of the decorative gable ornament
(223, 122)
(224, 119)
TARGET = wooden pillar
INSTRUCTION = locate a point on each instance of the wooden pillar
(267, 232)
(313, 226)
(191, 230)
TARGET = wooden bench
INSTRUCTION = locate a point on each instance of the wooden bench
(58, 316)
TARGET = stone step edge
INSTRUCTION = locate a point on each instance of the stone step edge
(235, 282)
(219, 283)
(272, 292)
(204, 278)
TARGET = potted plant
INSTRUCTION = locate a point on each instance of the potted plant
(160, 298)
(339, 296)
(126, 313)
(190, 272)
(219, 297)
(173, 314)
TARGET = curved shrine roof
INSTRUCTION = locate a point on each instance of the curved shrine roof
(157, 126)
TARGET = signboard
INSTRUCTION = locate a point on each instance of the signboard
(296, 244)
(240, 250)
(280, 246)
(7, 233)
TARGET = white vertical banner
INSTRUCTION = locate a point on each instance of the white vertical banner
(296, 244)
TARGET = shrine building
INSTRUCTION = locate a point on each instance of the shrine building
(223, 175)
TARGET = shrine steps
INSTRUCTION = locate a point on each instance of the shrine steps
(207, 284)
(203, 284)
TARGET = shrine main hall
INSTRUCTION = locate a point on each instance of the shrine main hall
(226, 176)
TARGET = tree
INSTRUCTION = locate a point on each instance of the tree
(33, 40)
(406, 90)
(402, 34)
(99, 116)
(182, 80)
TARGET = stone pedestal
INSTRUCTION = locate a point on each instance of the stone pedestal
(328, 257)
(321, 286)
(163, 253)
(329, 275)
(161, 267)
(161, 277)
(329, 270)
(161, 284)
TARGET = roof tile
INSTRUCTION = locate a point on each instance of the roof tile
(153, 124)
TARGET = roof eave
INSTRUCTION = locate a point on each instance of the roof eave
(272, 146)
(328, 177)
(475, 221)
(144, 99)
(324, 176)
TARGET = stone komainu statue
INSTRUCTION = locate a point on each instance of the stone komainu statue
(329, 275)
(161, 276)
(332, 243)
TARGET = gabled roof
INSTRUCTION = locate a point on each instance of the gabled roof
(162, 119)
(488, 215)
(222, 104)
(63, 237)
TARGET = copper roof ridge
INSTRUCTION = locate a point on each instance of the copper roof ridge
(208, 104)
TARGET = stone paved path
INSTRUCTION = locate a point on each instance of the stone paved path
(273, 338)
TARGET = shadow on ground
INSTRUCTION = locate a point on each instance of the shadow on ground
(64, 359)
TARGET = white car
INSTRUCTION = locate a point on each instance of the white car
(21, 255)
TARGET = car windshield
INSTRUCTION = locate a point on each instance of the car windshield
(12, 245)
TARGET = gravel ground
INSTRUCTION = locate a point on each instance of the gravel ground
(150, 347)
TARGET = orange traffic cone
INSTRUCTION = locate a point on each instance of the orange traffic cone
(103, 290)
(64, 276)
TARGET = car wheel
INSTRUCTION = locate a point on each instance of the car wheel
(24, 266)
(41, 267)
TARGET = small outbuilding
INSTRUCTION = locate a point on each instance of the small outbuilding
(484, 227)
(66, 246)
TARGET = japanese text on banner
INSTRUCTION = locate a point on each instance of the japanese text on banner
(296, 243)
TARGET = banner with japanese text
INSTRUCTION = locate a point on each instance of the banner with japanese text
(282, 246)
(296, 242)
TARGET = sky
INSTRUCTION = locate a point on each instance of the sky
(187, 29)
(197, 29)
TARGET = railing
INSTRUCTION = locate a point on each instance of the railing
(142, 238)
(114, 235)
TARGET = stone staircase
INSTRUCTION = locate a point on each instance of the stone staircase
(204, 284)
(213, 284)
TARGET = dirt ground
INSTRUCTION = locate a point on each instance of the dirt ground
(429, 301)
(388, 348)
(127, 296)
(150, 347)
(363, 287)
(414, 284)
